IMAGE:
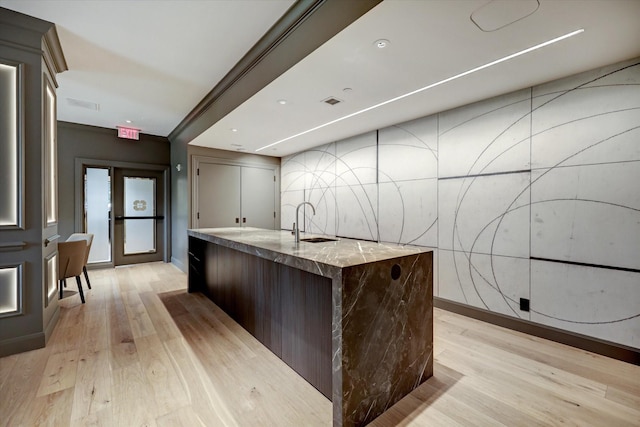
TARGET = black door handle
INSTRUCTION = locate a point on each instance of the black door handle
(119, 217)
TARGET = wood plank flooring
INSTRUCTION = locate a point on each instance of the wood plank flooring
(144, 352)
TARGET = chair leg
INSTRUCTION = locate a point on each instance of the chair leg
(60, 285)
(86, 276)
(80, 289)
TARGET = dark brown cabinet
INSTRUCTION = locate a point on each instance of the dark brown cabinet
(196, 255)
(286, 309)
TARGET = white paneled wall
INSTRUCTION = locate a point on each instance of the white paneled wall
(534, 194)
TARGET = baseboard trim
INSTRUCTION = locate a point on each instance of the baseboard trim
(48, 331)
(594, 345)
(22, 344)
(175, 261)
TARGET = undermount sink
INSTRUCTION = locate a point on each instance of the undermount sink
(318, 239)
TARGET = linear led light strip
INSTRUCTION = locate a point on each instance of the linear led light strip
(9, 130)
(457, 76)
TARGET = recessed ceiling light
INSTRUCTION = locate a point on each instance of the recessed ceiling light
(282, 101)
(347, 90)
(381, 43)
(234, 130)
(432, 85)
(128, 121)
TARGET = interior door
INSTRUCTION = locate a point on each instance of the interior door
(218, 196)
(258, 198)
(97, 212)
(138, 205)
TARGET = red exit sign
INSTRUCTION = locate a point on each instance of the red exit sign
(128, 133)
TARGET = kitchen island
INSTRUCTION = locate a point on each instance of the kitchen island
(354, 318)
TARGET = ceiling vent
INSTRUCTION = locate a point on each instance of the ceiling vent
(83, 104)
(332, 101)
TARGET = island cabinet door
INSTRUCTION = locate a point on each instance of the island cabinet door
(263, 292)
(228, 291)
(306, 326)
(210, 286)
(197, 263)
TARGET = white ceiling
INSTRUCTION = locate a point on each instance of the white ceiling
(148, 61)
(144, 61)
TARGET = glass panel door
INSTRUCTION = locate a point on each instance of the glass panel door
(97, 212)
(138, 205)
(139, 215)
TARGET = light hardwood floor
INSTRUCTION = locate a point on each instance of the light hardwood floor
(142, 351)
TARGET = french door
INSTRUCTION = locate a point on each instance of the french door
(139, 223)
(124, 210)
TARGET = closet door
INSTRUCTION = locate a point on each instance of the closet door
(258, 197)
(218, 191)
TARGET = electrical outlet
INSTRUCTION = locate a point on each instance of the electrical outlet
(524, 304)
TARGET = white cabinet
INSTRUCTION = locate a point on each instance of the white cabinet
(230, 195)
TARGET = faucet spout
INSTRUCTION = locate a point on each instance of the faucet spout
(296, 229)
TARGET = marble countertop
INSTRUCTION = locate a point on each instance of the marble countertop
(325, 259)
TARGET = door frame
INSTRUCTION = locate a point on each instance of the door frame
(81, 163)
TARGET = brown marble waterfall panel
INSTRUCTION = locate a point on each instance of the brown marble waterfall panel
(383, 338)
(306, 326)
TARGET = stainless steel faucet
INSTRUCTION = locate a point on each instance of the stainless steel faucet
(296, 225)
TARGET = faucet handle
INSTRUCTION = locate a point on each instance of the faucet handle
(293, 229)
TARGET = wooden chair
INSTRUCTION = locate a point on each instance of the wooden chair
(88, 238)
(71, 259)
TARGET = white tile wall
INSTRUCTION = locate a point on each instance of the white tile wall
(324, 201)
(486, 137)
(408, 151)
(356, 160)
(488, 214)
(493, 283)
(587, 214)
(549, 172)
(408, 211)
(356, 211)
(592, 301)
(589, 118)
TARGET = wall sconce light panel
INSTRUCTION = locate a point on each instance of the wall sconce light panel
(11, 150)
(10, 290)
(51, 277)
(50, 155)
